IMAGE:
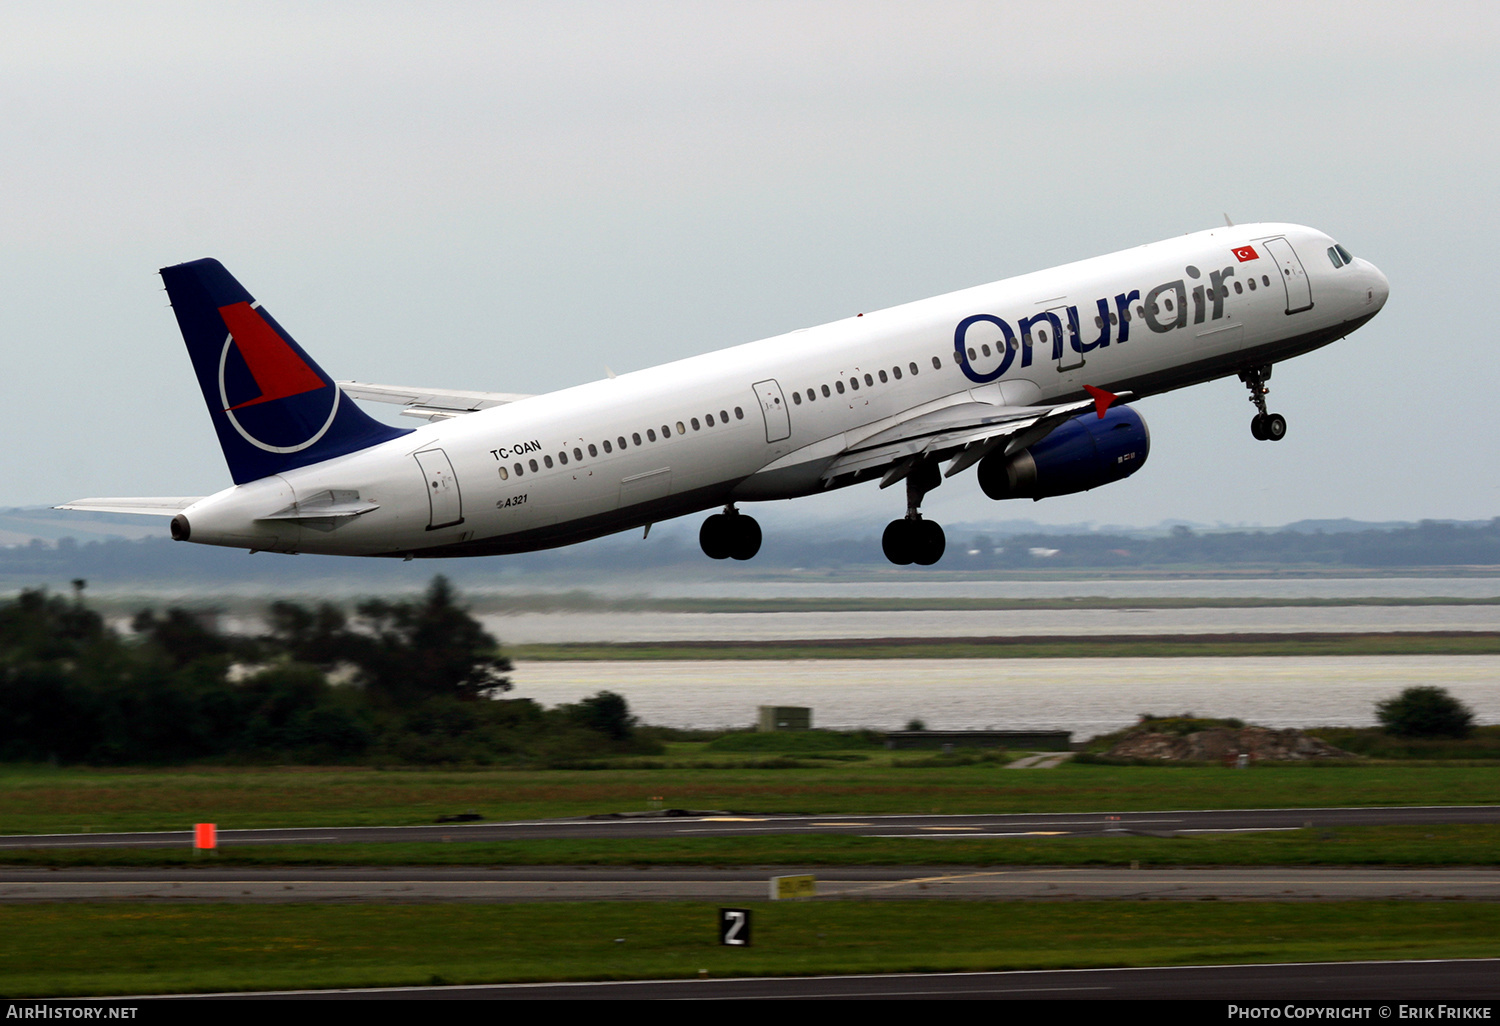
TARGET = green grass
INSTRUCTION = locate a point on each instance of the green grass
(1033, 647)
(54, 950)
(1433, 845)
(42, 800)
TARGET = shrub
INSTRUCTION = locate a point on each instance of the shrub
(1425, 712)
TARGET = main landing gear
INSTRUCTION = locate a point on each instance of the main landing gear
(912, 539)
(729, 535)
(1266, 427)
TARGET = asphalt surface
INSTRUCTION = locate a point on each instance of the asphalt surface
(726, 824)
(396, 885)
(1471, 983)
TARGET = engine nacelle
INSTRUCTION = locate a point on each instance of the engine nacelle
(1080, 454)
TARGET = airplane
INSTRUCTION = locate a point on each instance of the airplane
(1030, 380)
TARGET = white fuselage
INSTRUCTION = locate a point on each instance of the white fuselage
(510, 479)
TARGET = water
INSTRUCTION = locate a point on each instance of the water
(1085, 696)
(1268, 587)
(534, 628)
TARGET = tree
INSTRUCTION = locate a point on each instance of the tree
(429, 649)
(1425, 712)
(607, 713)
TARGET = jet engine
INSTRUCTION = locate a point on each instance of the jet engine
(1079, 454)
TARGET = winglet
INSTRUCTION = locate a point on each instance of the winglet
(1102, 400)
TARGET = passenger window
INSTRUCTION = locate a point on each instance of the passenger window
(650, 436)
(840, 386)
(1265, 279)
(519, 471)
(578, 454)
(666, 431)
(938, 364)
(869, 380)
(620, 441)
(680, 429)
(709, 417)
(825, 391)
(739, 414)
(594, 452)
(1098, 322)
(1238, 289)
(854, 384)
(696, 425)
(797, 398)
(504, 474)
(1252, 284)
(548, 461)
(897, 371)
(972, 355)
(883, 378)
(534, 467)
(913, 367)
(635, 436)
(562, 458)
(724, 416)
(811, 395)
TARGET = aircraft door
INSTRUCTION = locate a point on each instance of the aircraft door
(1298, 288)
(445, 504)
(1071, 359)
(773, 408)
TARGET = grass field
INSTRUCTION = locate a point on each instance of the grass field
(45, 800)
(141, 949)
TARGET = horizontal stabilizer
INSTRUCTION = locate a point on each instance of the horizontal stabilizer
(429, 403)
(168, 506)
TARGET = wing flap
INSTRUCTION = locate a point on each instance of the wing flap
(968, 431)
(429, 403)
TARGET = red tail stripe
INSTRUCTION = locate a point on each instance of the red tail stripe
(277, 369)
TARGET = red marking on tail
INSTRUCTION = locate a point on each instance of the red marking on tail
(277, 369)
(1102, 400)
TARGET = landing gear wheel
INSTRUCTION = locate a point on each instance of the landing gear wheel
(1274, 427)
(897, 542)
(714, 537)
(746, 536)
(931, 542)
(1258, 428)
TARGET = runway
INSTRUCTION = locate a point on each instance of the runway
(407, 885)
(1437, 980)
(731, 824)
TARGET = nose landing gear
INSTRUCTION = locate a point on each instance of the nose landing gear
(1264, 427)
(912, 539)
(729, 535)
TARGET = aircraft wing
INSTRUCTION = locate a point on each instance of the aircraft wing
(967, 432)
(429, 403)
(159, 507)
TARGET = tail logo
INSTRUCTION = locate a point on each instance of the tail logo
(272, 396)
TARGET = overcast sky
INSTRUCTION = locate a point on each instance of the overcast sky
(512, 196)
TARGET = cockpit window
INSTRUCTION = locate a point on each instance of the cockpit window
(1333, 255)
(1344, 253)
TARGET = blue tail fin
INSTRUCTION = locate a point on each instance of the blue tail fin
(272, 406)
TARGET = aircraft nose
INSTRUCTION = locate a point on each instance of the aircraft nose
(1378, 289)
